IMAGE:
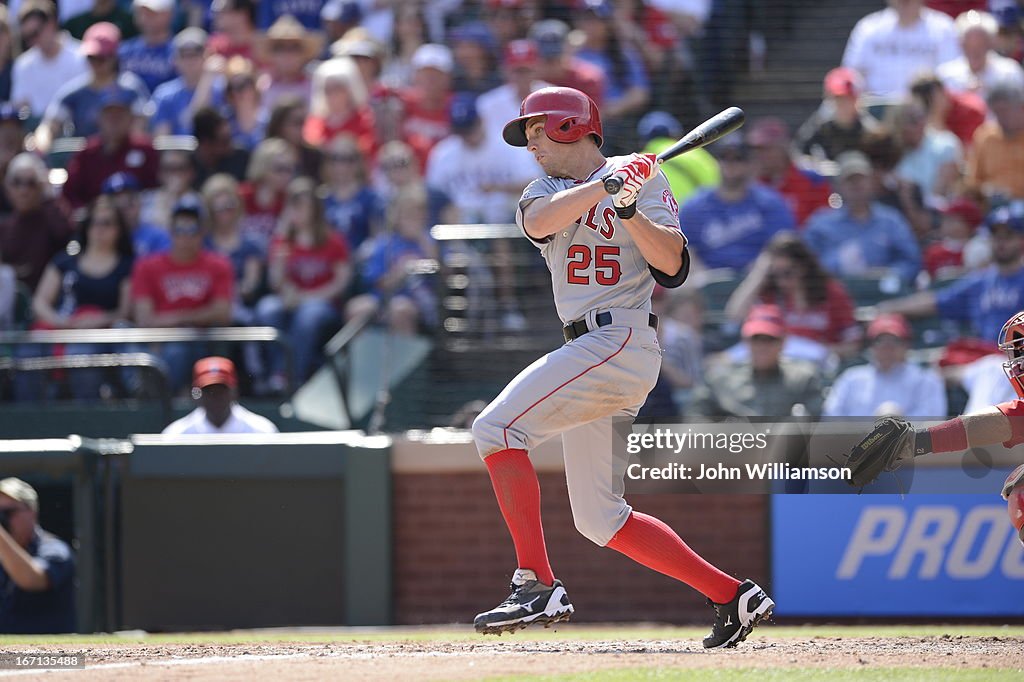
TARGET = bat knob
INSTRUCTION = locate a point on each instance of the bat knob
(612, 184)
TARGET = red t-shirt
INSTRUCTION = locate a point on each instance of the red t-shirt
(310, 268)
(942, 255)
(583, 76)
(830, 322)
(259, 222)
(805, 192)
(423, 127)
(1014, 411)
(966, 112)
(183, 286)
(318, 132)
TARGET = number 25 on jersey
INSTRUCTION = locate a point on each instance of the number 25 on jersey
(604, 260)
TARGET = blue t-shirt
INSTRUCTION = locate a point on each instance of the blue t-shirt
(731, 235)
(353, 218)
(984, 299)
(635, 73)
(170, 105)
(306, 11)
(149, 239)
(153, 64)
(78, 103)
(47, 612)
(247, 249)
(79, 290)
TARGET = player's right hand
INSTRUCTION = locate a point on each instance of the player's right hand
(634, 173)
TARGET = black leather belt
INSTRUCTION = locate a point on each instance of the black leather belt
(578, 328)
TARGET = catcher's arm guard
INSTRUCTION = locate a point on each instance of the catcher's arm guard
(891, 441)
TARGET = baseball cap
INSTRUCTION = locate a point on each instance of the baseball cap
(853, 163)
(20, 491)
(519, 53)
(732, 147)
(472, 32)
(659, 124)
(155, 5)
(1011, 215)
(189, 203)
(120, 182)
(363, 46)
(764, 320)
(463, 112)
(432, 56)
(892, 324)
(101, 40)
(345, 11)
(214, 370)
(550, 36)
(191, 38)
(769, 131)
(117, 97)
(843, 80)
(599, 8)
(965, 209)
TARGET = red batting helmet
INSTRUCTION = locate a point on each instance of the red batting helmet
(570, 113)
(1013, 491)
(1011, 342)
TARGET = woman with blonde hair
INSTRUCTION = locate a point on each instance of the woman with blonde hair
(309, 273)
(353, 209)
(340, 105)
(244, 106)
(224, 208)
(271, 168)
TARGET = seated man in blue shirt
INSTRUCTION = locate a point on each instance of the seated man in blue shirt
(147, 239)
(37, 591)
(862, 237)
(176, 101)
(728, 226)
(981, 300)
(150, 54)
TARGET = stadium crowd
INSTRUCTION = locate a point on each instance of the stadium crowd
(198, 164)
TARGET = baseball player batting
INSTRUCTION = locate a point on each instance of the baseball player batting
(605, 254)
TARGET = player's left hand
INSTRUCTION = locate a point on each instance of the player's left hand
(634, 173)
(1015, 478)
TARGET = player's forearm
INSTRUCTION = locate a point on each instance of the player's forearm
(545, 216)
(987, 427)
(661, 246)
(19, 566)
(915, 305)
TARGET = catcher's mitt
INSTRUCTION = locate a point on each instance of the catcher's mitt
(891, 441)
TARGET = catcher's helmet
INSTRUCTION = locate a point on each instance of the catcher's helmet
(1011, 342)
(1013, 491)
(570, 113)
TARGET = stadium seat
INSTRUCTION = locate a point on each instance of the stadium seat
(717, 286)
(869, 291)
(62, 150)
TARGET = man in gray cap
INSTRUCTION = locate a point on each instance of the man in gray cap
(37, 569)
(176, 101)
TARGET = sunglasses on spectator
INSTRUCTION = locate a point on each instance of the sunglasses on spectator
(190, 52)
(174, 167)
(21, 181)
(286, 47)
(224, 207)
(293, 198)
(394, 164)
(282, 169)
(103, 222)
(99, 58)
(189, 229)
(343, 158)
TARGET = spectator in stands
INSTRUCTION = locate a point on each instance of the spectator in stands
(729, 225)
(337, 17)
(37, 569)
(817, 310)
(215, 388)
(147, 238)
(306, 15)
(368, 55)
(889, 47)
(76, 106)
(1010, 38)
(405, 299)
(243, 108)
(176, 101)
(351, 207)
(862, 237)
(958, 112)
(222, 203)
(681, 320)
(340, 106)
(6, 55)
(931, 158)
(150, 55)
(187, 286)
(51, 60)
(960, 220)
(109, 11)
(767, 385)
(273, 165)
(287, 121)
(627, 89)
(558, 66)
(980, 67)
(286, 49)
(839, 124)
(234, 29)
(88, 289)
(36, 229)
(8, 297)
(475, 71)
(803, 189)
(993, 162)
(509, 19)
(399, 170)
(12, 143)
(113, 149)
(985, 299)
(177, 177)
(904, 196)
(426, 102)
(410, 33)
(310, 270)
(216, 151)
(687, 173)
(889, 384)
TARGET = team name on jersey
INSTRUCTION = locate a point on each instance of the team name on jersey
(603, 225)
(186, 286)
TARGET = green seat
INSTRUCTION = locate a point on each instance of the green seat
(717, 286)
(62, 150)
(869, 291)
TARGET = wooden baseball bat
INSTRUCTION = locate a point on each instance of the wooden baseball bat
(716, 127)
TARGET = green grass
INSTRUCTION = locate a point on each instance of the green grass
(464, 633)
(775, 675)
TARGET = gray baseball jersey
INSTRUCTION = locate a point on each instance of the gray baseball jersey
(594, 263)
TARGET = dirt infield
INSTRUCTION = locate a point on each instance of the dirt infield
(456, 655)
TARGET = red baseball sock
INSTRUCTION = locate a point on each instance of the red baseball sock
(518, 492)
(650, 542)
